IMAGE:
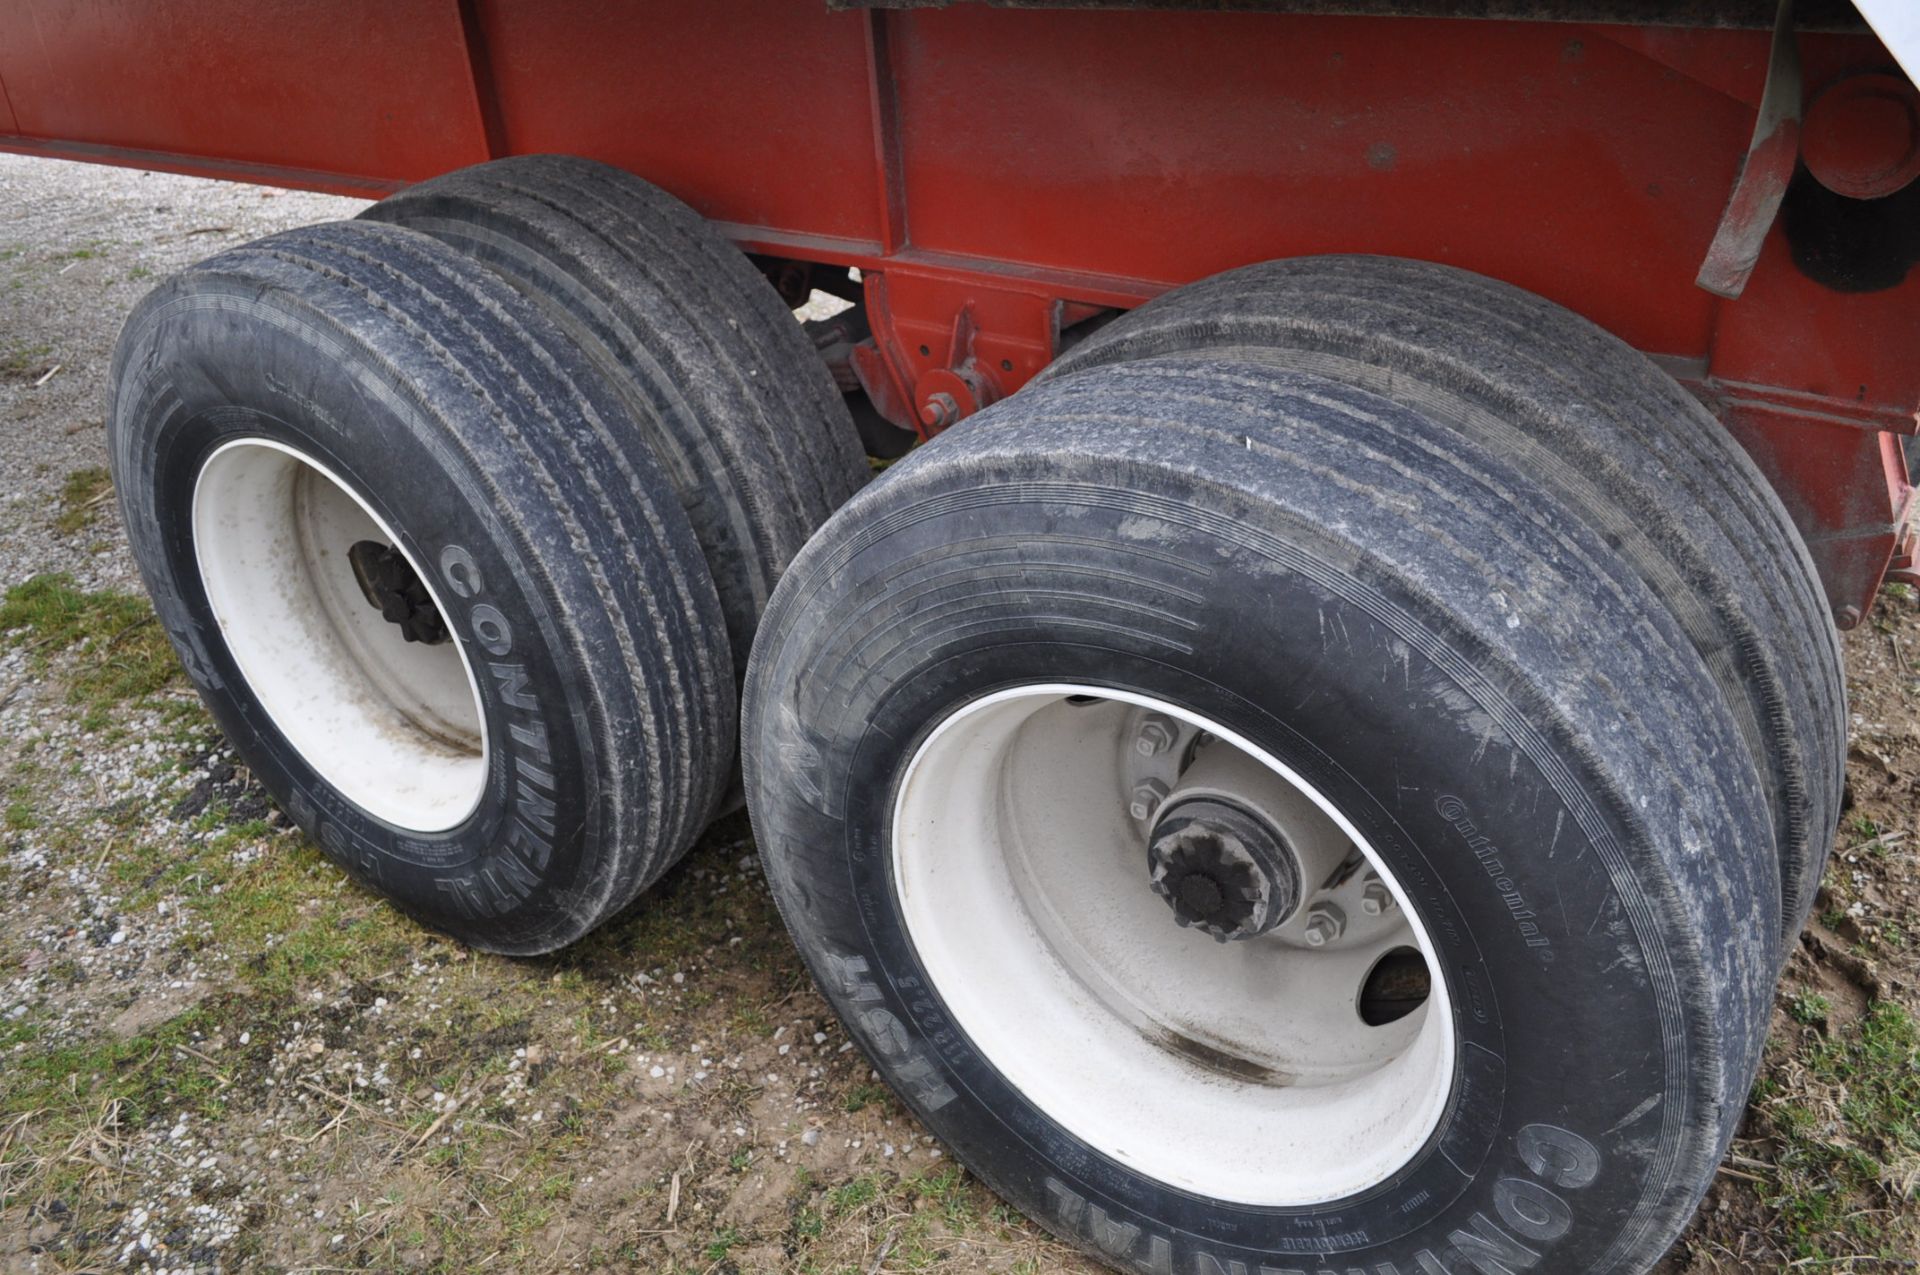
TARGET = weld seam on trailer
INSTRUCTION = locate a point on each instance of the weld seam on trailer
(486, 92)
(6, 103)
(883, 96)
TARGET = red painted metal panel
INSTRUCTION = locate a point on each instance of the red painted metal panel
(1174, 145)
(1859, 350)
(1847, 491)
(374, 88)
(754, 112)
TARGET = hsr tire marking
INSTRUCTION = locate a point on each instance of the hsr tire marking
(914, 1071)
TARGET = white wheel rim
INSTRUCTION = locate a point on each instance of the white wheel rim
(394, 726)
(1239, 1071)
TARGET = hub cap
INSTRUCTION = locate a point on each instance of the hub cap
(1221, 868)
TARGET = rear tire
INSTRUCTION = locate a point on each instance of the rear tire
(1398, 622)
(537, 717)
(729, 394)
(1614, 440)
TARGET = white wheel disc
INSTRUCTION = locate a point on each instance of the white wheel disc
(394, 726)
(1242, 1071)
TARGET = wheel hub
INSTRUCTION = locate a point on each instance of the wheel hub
(337, 635)
(1222, 868)
(396, 591)
(1295, 1066)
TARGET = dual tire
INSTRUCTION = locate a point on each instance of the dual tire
(1384, 533)
(453, 568)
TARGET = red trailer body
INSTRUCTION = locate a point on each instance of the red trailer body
(999, 174)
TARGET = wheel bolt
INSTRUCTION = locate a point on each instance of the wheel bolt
(1376, 898)
(1156, 736)
(1147, 796)
(940, 410)
(1325, 923)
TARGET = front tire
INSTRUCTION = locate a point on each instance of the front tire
(945, 722)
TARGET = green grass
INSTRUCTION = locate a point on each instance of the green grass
(856, 1194)
(1807, 1007)
(141, 1073)
(863, 1095)
(20, 816)
(73, 1101)
(21, 362)
(920, 1214)
(288, 911)
(1850, 1141)
(723, 1242)
(285, 918)
(80, 499)
(124, 654)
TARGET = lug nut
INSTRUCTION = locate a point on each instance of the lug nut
(1325, 923)
(1156, 736)
(1376, 898)
(1147, 796)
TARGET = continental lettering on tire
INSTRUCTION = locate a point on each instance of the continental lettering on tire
(1454, 811)
(513, 868)
(1528, 1218)
(908, 1065)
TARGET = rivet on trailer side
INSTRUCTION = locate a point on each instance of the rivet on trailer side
(1314, 756)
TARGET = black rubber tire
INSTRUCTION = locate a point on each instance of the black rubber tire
(507, 468)
(1613, 439)
(730, 395)
(1404, 616)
